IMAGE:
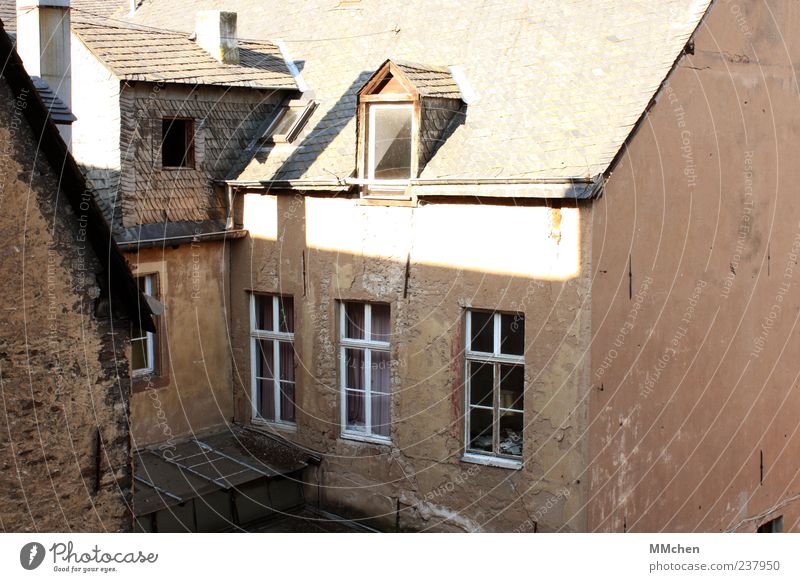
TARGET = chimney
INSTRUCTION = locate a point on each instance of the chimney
(216, 33)
(43, 43)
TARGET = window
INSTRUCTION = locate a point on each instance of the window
(289, 121)
(272, 351)
(390, 144)
(494, 383)
(364, 331)
(177, 143)
(143, 343)
(772, 526)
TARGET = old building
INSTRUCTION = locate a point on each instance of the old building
(68, 305)
(476, 271)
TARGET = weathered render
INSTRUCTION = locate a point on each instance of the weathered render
(625, 189)
(419, 481)
(694, 296)
(68, 304)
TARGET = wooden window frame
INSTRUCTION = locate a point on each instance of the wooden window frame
(496, 359)
(368, 346)
(277, 337)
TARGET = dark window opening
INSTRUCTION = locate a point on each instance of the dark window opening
(177, 143)
(772, 526)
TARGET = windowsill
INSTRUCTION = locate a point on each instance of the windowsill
(274, 424)
(366, 438)
(490, 461)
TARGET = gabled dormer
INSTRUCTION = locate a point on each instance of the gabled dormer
(404, 112)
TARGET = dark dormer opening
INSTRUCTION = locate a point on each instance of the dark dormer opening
(177, 142)
(403, 112)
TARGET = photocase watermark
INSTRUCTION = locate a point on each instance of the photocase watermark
(767, 324)
(31, 555)
(738, 15)
(687, 153)
(627, 327)
(531, 524)
(168, 447)
(67, 559)
(743, 232)
(652, 377)
(460, 479)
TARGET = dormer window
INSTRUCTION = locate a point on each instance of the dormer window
(403, 111)
(390, 142)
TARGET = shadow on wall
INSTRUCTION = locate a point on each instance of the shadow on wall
(323, 250)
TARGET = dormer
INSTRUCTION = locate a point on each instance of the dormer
(404, 113)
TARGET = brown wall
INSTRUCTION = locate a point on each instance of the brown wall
(694, 297)
(196, 394)
(64, 441)
(320, 250)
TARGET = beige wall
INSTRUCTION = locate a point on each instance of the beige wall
(320, 250)
(694, 373)
(192, 280)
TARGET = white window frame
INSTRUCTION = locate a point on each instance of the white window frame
(368, 346)
(387, 185)
(496, 359)
(149, 337)
(276, 337)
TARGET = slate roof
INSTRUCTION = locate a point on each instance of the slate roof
(135, 53)
(430, 81)
(560, 83)
(8, 15)
(59, 112)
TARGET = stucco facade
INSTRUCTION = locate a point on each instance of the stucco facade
(694, 300)
(429, 264)
(65, 459)
(193, 392)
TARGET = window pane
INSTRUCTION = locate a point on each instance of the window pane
(392, 143)
(266, 398)
(481, 386)
(381, 364)
(354, 320)
(380, 323)
(511, 433)
(356, 418)
(512, 384)
(289, 117)
(139, 354)
(480, 429)
(264, 319)
(512, 334)
(264, 359)
(286, 314)
(482, 339)
(287, 401)
(286, 354)
(381, 422)
(354, 369)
